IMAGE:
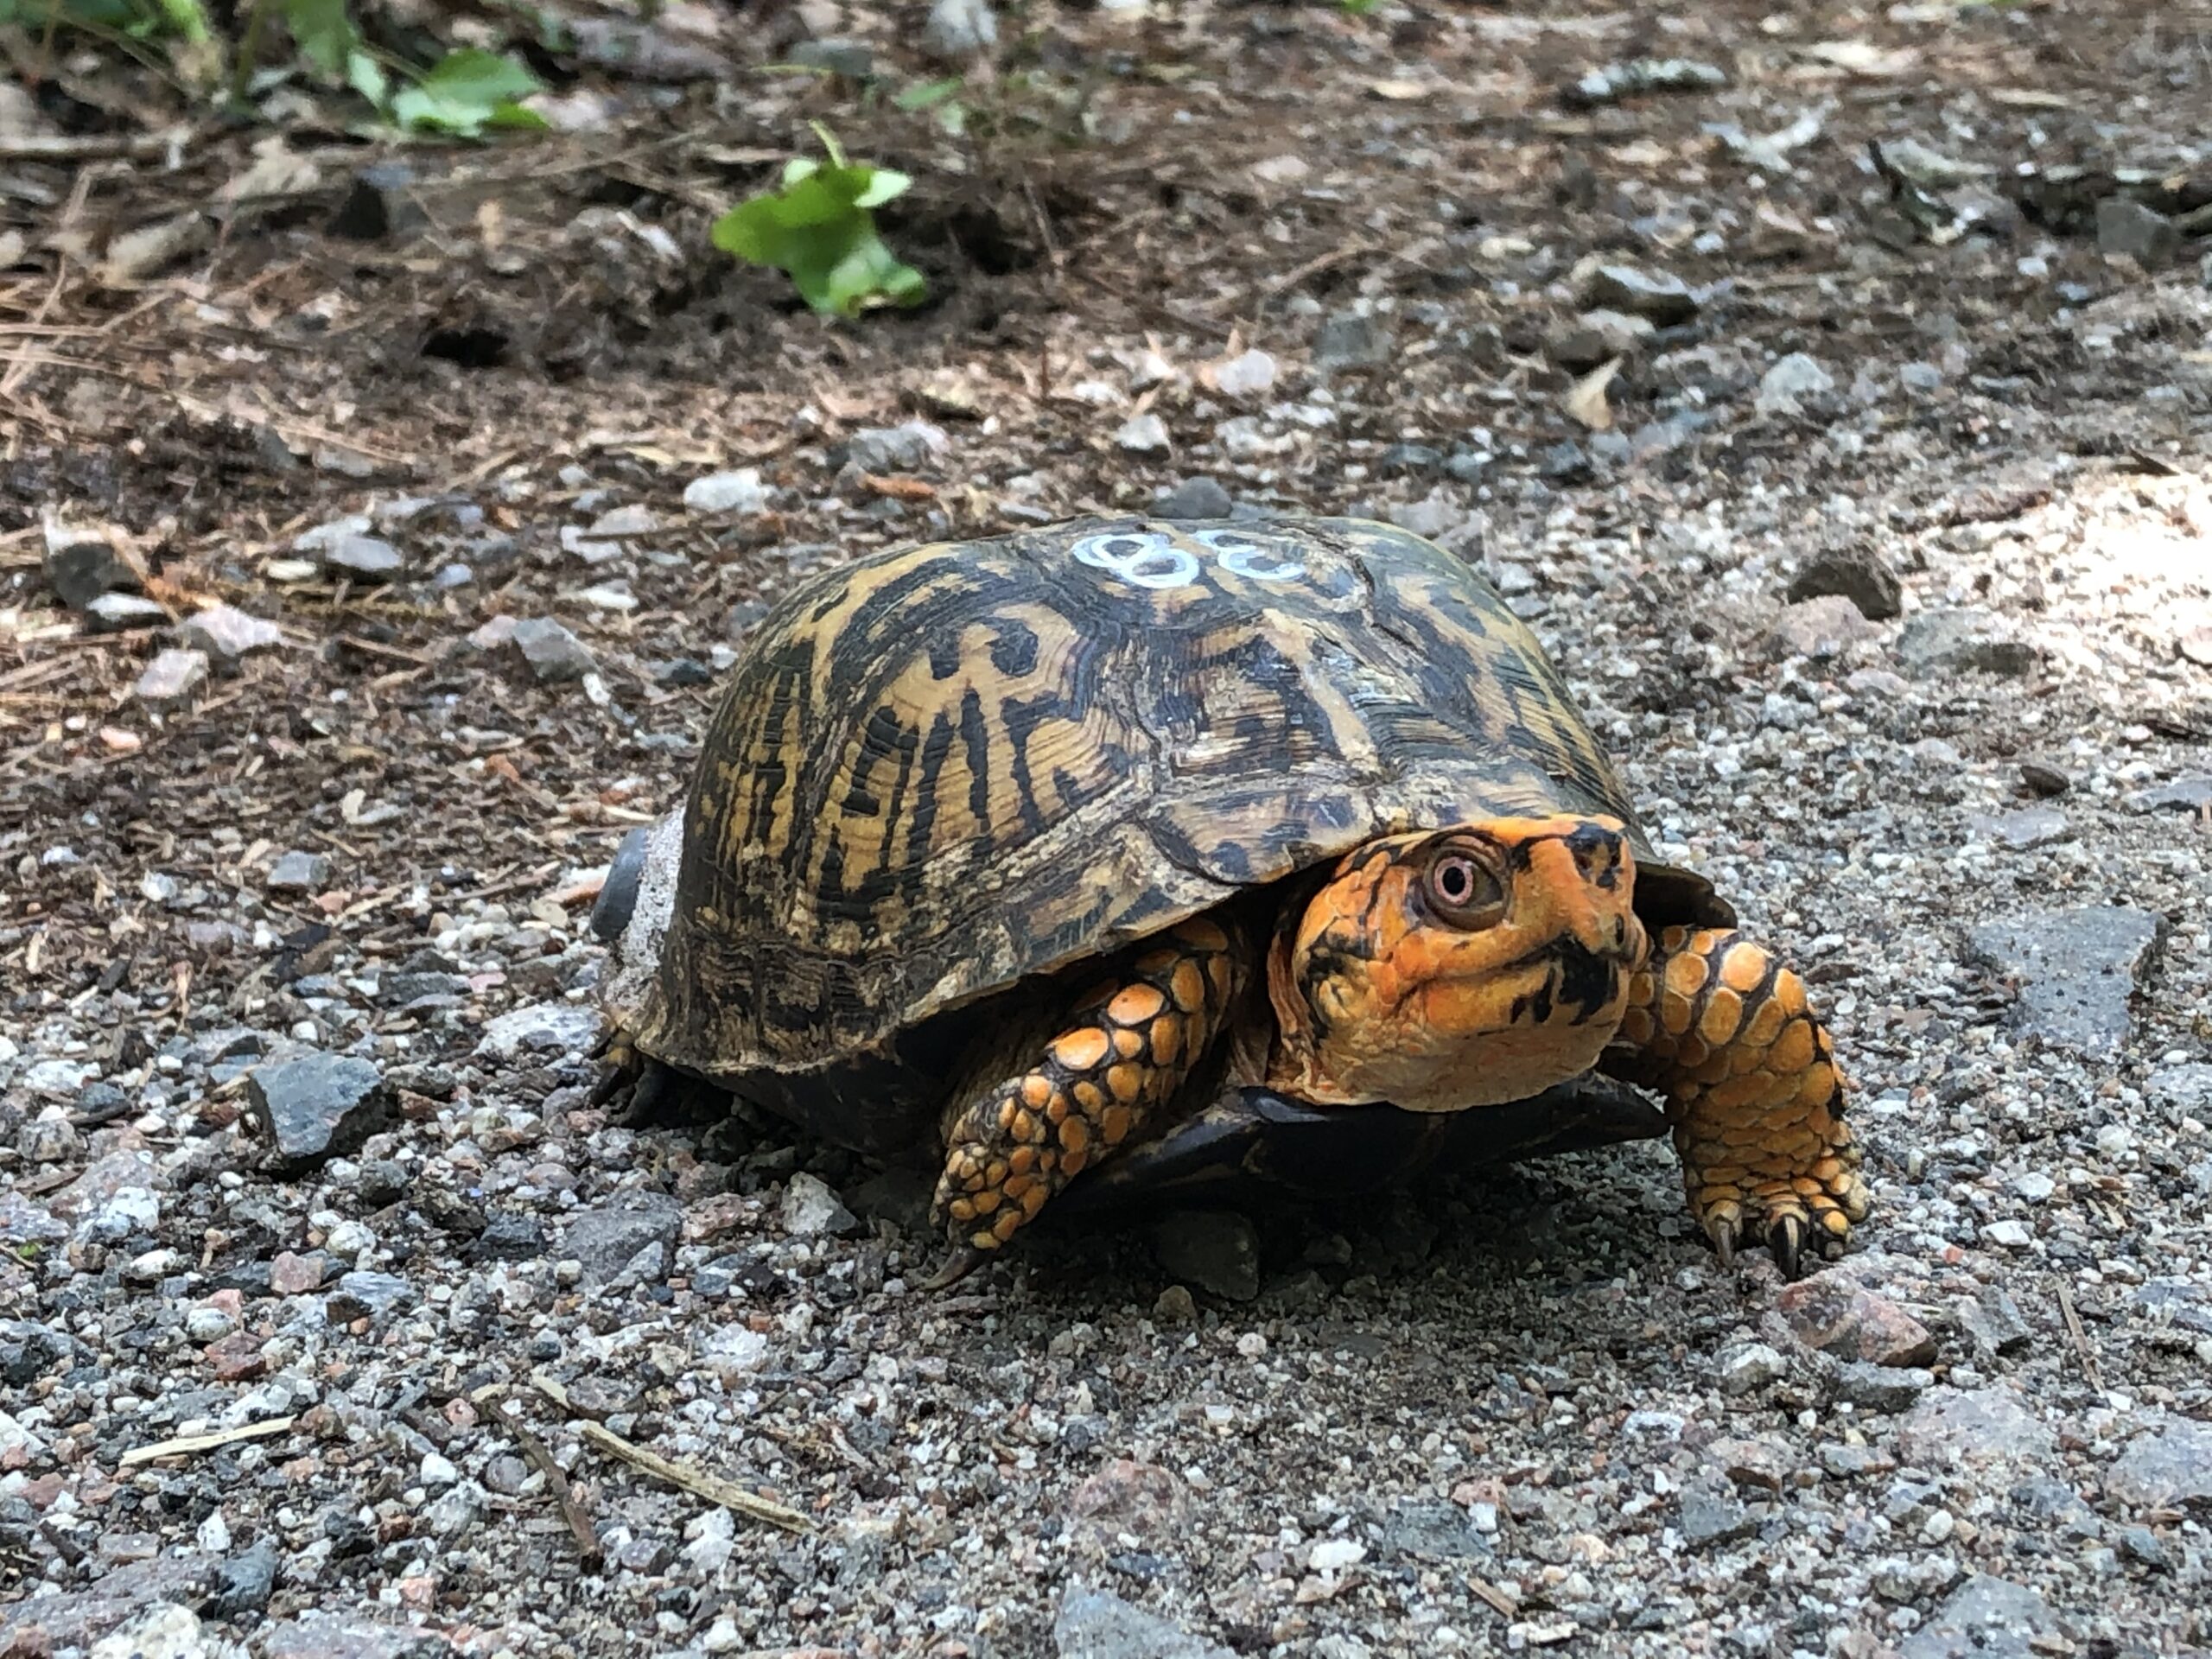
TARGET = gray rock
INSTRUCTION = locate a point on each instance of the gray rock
(174, 675)
(82, 564)
(2189, 793)
(2045, 780)
(367, 1296)
(1659, 296)
(165, 1632)
(2076, 970)
(543, 1030)
(1353, 340)
(554, 654)
(1142, 434)
(1938, 643)
(227, 633)
(1194, 497)
(246, 1580)
(347, 1635)
(119, 613)
(298, 872)
(2141, 1544)
(2126, 225)
(812, 1208)
(1745, 1366)
(1954, 1426)
(77, 1618)
(960, 28)
(363, 558)
(1793, 383)
(741, 491)
(1435, 1531)
(1985, 1618)
(1218, 1250)
(1995, 1324)
(1099, 1624)
(608, 1237)
(1818, 627)
(1597, 337)
(904, 449)
(2029, 827)
(317, 1106)
(1859, 574)
(2168, 1468)
(1711, 1513)
(455, 1510)
(1881, 1388)
(853, 58)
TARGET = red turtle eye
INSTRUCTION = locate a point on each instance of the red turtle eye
(1463, 890)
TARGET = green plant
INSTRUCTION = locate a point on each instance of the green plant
(819, 227)
(134, 19)
(940, 96)
(466, 93)
(1358, 7)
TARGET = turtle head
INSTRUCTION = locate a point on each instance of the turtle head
(1469, 967)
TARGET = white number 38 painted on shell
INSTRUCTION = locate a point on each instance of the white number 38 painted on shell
(1146, 558)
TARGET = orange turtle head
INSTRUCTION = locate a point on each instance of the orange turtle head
(1463, 967)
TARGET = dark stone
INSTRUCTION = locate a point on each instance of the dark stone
(553, 652)
(81, 565)
(2127, 226)
(367, 1295)
(679, 672)
(1099, 1624)
(1216, 1250)
(1194, 497)
(1352, 340)
(1987, 1619)
(382, 1181)
(1406, 459)
(509, 1236)
(1995, 1324)
(1713, 1514)
(1881, 1388)
(2168, 1468)
(1935, 644)
(245, 1582)
(1859, 574)
(608, 1237)
(315, 1107)
(1565, 462)
(2076, 970)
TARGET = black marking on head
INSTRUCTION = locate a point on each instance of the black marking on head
(1587, 982)
(1013, 649)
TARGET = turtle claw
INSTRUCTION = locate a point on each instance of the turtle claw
(1721, 1230)
(1785, 1239)
(963, 1260)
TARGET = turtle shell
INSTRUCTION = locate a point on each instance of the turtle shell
(941, 770)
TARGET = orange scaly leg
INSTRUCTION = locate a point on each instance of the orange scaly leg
(1722, 1029)
(1128, 1049)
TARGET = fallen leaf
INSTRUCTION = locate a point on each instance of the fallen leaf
(899, 487)
(1586, 399)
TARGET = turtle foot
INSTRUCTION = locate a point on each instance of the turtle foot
(1799, 1218)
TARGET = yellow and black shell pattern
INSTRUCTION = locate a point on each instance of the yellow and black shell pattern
(939, 770)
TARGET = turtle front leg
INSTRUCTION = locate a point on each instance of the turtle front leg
(1716, 1025)
(1128, 1048)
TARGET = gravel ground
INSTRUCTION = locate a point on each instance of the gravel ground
(1889, 581)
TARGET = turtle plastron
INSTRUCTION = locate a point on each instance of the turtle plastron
(1725, 1032)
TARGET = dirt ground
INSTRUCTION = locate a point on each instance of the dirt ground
(1970, 797)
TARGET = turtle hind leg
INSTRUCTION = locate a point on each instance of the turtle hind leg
(1123, 1054)
(1716, 1025)
(639, 1091)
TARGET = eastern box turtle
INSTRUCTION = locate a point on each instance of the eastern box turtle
(1094, 851)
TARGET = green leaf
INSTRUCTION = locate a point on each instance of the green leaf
(366, 76)
(324, 34)
(466, 91)
(817, 228)
(928, 94)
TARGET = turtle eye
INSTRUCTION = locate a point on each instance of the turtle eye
(1463, 890)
